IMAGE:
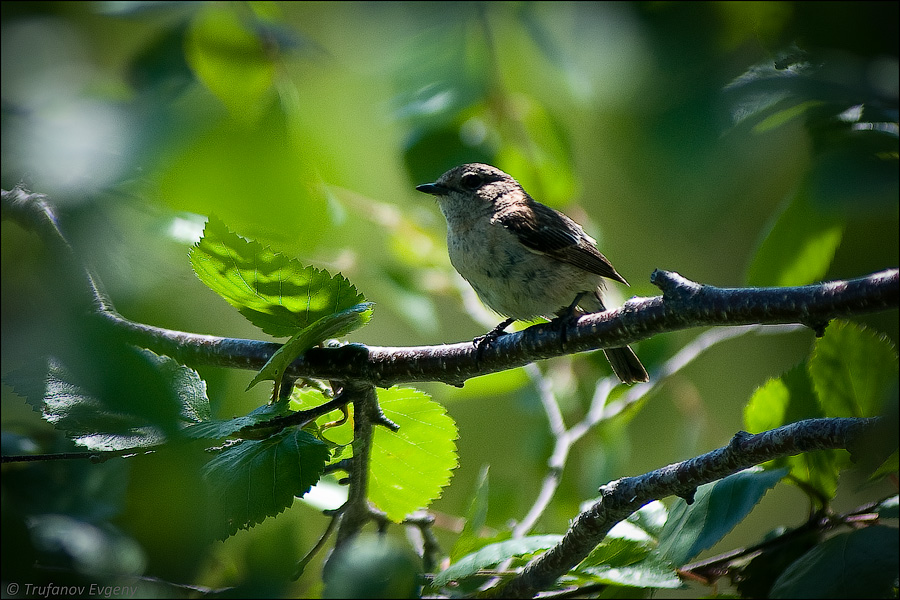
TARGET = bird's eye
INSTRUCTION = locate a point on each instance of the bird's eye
(471, 181)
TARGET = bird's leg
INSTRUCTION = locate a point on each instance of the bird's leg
(566, 317)
(482, 341)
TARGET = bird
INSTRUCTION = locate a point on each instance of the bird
(524, 259)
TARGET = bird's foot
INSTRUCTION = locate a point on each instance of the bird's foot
(483, 341)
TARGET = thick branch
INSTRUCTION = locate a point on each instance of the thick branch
(684, 304)
(621, 498)
(639, 318)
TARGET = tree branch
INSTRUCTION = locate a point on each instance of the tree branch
(683, 304)
(623, 497)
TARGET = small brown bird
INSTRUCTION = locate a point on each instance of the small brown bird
(524, 259)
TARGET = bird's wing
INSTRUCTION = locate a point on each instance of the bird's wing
(546, 231)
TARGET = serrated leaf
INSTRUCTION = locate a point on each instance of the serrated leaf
(853, 370)
(858, 564)
(798, 248)
(334, 325)
(494, 554)
(276, 293)
(717, 508)
(469, 538)
(255, 479)
(212, 429)
(409, 467)
(788, 399)
(103, 410)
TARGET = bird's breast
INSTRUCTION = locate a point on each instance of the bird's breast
(511, 279)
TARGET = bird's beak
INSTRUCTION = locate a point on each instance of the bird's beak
(435, 189)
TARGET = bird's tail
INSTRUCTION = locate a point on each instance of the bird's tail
(626, 365)
(624, 361)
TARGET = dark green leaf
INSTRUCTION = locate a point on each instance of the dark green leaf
(890, 508)
(255, 479)
(220, 428)
(102, 409)
(717, 508)
(651, 572)
(858, 564)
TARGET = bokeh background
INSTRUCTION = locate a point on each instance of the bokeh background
(677, 133)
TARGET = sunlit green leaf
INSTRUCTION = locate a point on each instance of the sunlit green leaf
(788, 399)
(780, 401)
(494, 554)
(410, 466)
(853, 370)
(276, 293)
(255, 479)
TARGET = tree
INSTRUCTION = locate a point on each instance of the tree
(300, 128)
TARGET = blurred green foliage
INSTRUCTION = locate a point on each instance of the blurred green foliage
(732, 142)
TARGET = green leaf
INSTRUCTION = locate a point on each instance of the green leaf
(858, 564)
(799, 247)
(717, 508)
(103, 410)
(494, 554)
(789, 399)
(651, 572)
(410, 466)
(230, 60)
(780, 117)
(469, 539)
(854, 370)
(333, 325)
(212, 429)
(541, 159)
(624, 545)
(276, 293)
(651, 518)
(255, 479)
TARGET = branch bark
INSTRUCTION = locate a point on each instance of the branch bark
(682, 305)
(621, 498)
